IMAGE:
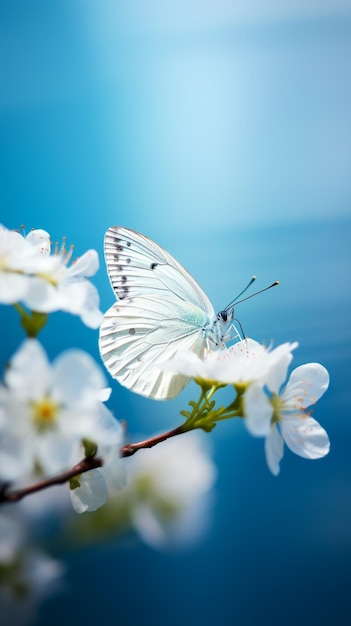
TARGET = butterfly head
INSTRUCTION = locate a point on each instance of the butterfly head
(226, 315)
(224, 324)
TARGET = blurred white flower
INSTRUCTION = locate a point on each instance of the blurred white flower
(89, 491)
(40, 240)
(26, 574)
(47, 410)
(284, 416)
(58, 286)
(46, 282)
(169, 489)
(11, 536)
(18, 259)
(242, 363)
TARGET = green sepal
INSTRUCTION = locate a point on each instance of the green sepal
(206, 385)
(32, 322)
(74, 482)
(90, 448)
(240, 388)
(208, 428)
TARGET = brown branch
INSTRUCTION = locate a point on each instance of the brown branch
(131, 448)
(85, 465)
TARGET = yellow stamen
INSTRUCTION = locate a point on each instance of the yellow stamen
(44, 413)
(278, 406)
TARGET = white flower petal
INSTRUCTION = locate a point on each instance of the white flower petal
(12, 535)
(306, 385)
(3, 413)
(92, 493)
(245, 361)
(13, 287)
(77, 378)
(305, 437)
(103, 394)
(280, 359)
(14, 250)
(42, 574)
(40, 239)
(178, 476)
(43, 296)
(90, 313)
(274, 450)
(15, 458)
(149, 526)
(81, 298)
(73, 295)
(17, 254)
(29, 374)
(54, 452)
(86, 265)
(258, 411)
(114, 470)
(184, 362)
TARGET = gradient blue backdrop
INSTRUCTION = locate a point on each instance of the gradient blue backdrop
(223, 131)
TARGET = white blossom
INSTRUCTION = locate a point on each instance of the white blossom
(169, 490)
(242, 363)
(91, 492)
(46, 282)
(47, 410)
(28, 574)
(283, 416)
(40, 240)
(64, 287)
(91, 489)
(18, 259)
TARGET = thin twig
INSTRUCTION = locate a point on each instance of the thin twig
(85, 465)
(131, 448)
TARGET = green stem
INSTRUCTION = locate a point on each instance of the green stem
(204, 412)
(32, 322)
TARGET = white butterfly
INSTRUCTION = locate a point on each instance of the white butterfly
(161, 309)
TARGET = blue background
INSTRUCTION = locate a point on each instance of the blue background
(223, 132)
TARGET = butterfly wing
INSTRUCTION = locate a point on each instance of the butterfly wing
(138, 332)
(161, 310)
(137, 266)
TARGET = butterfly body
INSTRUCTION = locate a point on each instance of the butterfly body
(161, 310)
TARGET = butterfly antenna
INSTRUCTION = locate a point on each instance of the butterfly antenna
(241, 293)
(257, 292)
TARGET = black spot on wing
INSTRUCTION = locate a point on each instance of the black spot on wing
(153, 265)
(124, 294)
(132, 331)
